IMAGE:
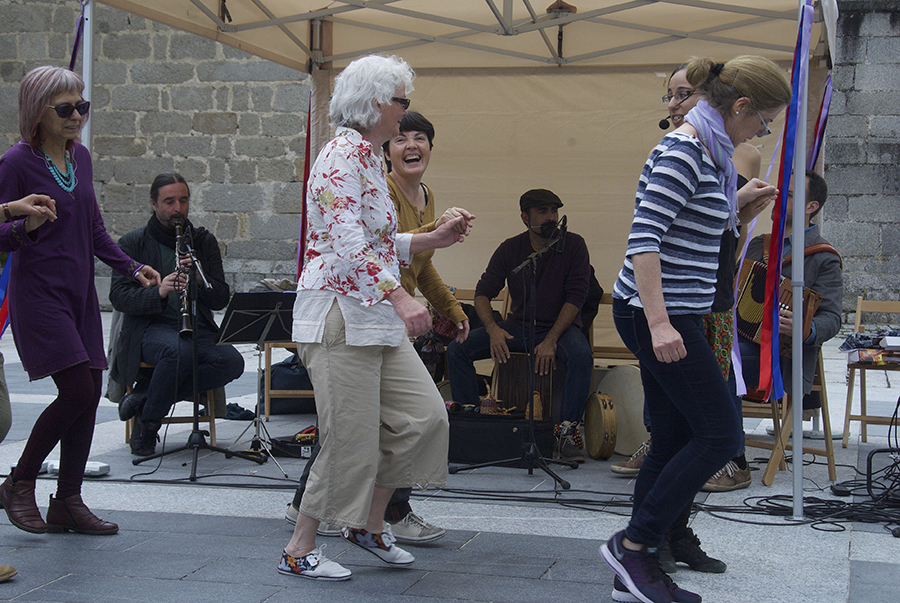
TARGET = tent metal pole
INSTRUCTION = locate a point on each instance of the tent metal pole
(798, 236)
(87, 65)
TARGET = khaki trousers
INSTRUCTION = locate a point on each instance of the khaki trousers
(382, 422)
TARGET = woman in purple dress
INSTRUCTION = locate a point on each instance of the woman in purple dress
(54, 311)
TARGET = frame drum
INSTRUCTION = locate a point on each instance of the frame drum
(623, 385)
(599, 426)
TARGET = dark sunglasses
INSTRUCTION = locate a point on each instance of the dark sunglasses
(65, 110)
(403, 102)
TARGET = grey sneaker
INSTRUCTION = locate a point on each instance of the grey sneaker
(325, 529)
(412, 529)
(632, 466)
(313, 565)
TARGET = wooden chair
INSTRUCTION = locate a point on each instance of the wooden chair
(209, 417)
(780, 413)
(613, 351)
(270, 393)
(864, 418)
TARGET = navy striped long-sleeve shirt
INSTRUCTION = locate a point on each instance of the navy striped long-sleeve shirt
(680, 213)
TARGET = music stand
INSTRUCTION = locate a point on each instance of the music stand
(258, 317)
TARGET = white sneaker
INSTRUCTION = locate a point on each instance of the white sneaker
(412, 529)
(325, 529)
(381, 545)
(313, 565)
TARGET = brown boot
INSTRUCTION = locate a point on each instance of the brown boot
(71, 513)
(22, 510)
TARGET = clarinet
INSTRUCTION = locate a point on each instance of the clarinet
(180, 270)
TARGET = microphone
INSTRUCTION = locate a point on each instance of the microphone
(561, 238)
(664, 123)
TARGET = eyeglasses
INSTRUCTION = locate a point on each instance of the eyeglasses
(403, 102)
(765, 125)
(65, 110)
(680, 96)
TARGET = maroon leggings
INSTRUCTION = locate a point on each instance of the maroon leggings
(68, 420)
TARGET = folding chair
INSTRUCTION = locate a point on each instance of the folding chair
(780, 413)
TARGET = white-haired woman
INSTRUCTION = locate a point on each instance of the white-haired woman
(382, 422)
(54, 310)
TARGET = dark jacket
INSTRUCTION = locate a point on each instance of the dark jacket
(139, 305)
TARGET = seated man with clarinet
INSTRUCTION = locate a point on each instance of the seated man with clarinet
(156, 325)
(822, 274)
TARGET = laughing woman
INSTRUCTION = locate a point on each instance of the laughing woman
(54, 311)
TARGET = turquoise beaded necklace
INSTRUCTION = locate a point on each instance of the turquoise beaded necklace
(67, 181)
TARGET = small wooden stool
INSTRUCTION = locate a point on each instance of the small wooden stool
(209, 417)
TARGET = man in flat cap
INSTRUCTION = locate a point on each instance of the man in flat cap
(562, 274)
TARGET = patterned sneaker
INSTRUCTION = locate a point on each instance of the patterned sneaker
(679, 595)
(686, 549)
(325, 529)
(728, 478)
(313, 565)
(639, 570)
(568, 443)
(415, 530)
(381, 545)
(633, 465)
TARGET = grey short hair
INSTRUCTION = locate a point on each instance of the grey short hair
(367, 78)
(38, 87)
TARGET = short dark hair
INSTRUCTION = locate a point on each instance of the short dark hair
(411, 122)
(816, 191)
(165, 179)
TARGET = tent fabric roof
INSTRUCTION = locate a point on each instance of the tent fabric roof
(488, 33)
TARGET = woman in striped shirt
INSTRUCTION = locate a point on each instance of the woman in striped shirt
(686, 198)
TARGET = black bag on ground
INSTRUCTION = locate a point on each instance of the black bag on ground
(288, 374)
(477, 438)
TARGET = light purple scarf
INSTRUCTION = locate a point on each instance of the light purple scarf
(710, 126)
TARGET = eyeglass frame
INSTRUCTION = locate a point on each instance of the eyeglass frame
(403, 102)
(667, 98)
(65, 110)
(765, 125)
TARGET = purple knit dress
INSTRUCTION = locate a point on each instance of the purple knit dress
(54, 312)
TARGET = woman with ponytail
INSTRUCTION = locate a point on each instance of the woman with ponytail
(686, 198)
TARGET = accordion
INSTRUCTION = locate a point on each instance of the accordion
(751, 297)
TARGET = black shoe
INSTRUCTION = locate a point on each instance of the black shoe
(686, 549)
(144, 437)
(666, 560)
(132, 404)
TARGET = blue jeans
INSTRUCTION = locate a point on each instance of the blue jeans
(572, 350)
(696, 429)
(162, 347)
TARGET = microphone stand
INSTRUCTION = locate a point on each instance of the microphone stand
(197, 438)
(531, 454)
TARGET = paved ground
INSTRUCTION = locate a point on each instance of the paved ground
(512, 537)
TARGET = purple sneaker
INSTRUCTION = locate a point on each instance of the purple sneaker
(679, 595)
(639, 570)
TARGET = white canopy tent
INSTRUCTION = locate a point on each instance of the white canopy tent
(522, 95)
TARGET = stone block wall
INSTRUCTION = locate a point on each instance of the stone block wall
(234, 125)
(862, 152)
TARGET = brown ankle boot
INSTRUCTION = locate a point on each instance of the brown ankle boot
(71, 513)
(22, 510)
